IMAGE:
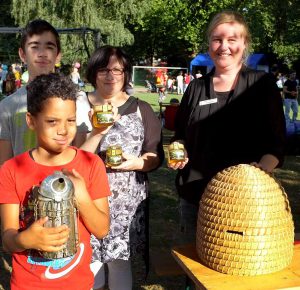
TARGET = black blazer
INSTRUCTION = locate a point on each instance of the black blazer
(218, 133)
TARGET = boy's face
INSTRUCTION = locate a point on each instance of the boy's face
(41, 54)
(55, 125)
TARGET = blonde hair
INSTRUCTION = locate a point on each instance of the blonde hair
(231, 17)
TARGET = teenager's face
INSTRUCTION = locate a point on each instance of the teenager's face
(55, 125)
(227, 45)
(41, 54)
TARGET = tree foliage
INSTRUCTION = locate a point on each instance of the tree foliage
(109, 17)
(275, 27)
(8, 42)
(173, 30)
(178, 27)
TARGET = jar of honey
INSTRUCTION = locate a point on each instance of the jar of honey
(113, 155)
(176, 152)
(103, 116)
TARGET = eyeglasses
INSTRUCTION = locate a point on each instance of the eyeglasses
(114, 71)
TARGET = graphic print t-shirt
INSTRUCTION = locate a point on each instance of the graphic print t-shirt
(30, 271)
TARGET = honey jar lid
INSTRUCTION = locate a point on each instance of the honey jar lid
(175, 146)
(102, 108)
(114, 150)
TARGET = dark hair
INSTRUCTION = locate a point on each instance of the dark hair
(174, 101)
(52, 85)
(38, 27)
(100, 59)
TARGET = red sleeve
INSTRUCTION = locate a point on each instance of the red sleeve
(98, 181)
(8, 192)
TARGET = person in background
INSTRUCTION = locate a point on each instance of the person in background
(57, 68)
(186, 81)
(138, 131)
(10, 84)
(198, 74)
(17, 72)
(170, 85)
(290, 92)
(165, 79)
(52, 116)
(3, 77)
(281, 80)
(174, 87)
(75, 76)
(231, 115)
(179, 80)
(40, 50)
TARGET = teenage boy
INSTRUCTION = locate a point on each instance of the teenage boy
(52, 116)
(40, 50)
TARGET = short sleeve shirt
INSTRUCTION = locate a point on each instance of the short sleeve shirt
(17, 177)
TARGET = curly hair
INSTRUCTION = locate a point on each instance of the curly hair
(52, 85)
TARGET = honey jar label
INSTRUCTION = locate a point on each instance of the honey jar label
(114, 160)
(114, 155)
(103, 118)
(177, 154)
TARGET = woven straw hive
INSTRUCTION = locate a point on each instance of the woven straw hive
(245, 226)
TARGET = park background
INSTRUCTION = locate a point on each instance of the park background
(158, 33)
(164, 214)
(153, 32)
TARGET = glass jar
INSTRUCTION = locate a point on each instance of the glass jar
(176, 152)
(113, 155)
(103, 116)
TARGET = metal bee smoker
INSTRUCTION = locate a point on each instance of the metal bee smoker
(54, 198)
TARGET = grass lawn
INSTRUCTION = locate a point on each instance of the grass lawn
(163, 211)
(152, 98)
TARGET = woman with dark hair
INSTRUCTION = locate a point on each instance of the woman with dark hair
(137, 130)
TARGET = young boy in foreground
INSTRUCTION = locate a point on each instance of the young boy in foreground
(52, 115)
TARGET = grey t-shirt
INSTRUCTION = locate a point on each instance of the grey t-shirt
(13, 125)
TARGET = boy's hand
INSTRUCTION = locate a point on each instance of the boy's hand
(46, 239)
(80, 190)
(90, 211)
